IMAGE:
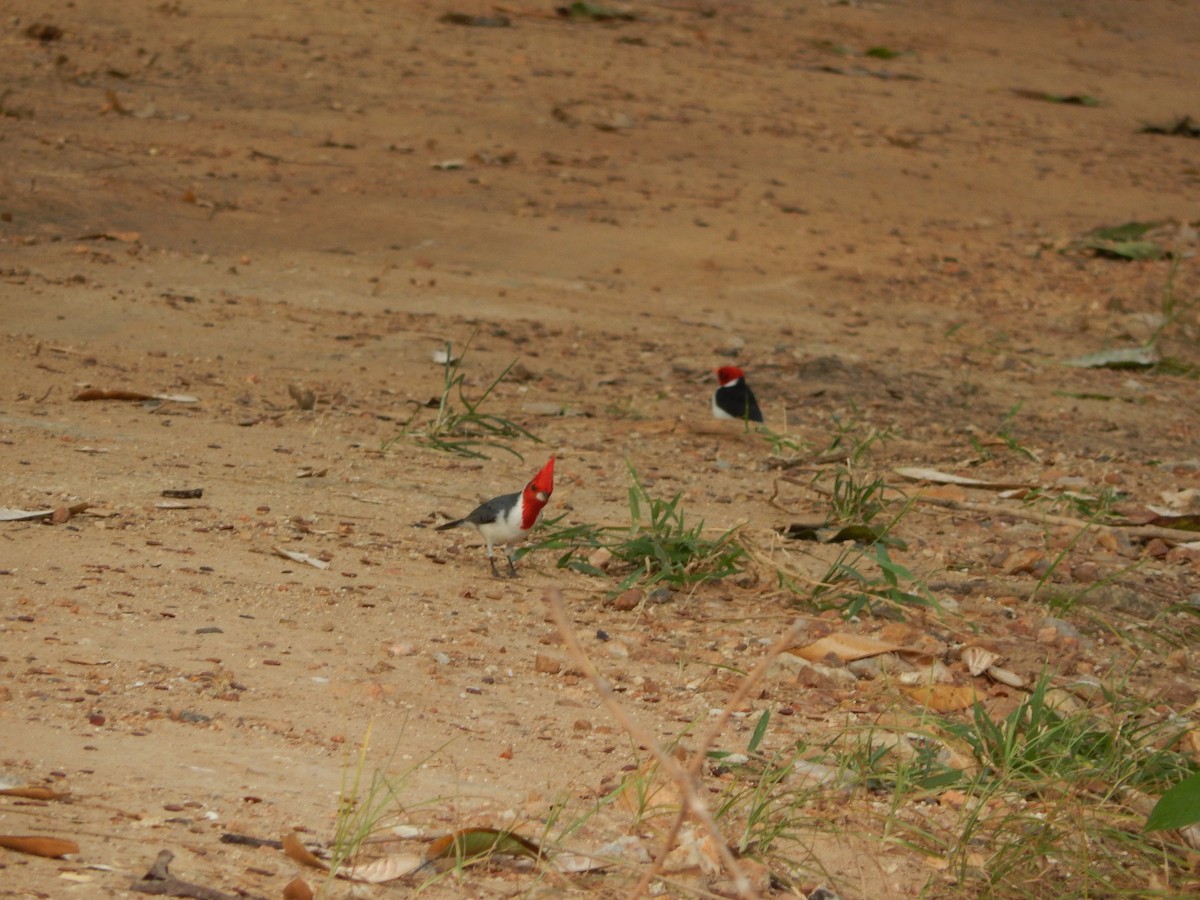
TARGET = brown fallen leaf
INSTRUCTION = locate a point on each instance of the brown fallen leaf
(39, 845)
(183, 493)
(304, 397)
(114, 104)
(301, 854)
(36, 793)
(117, 394)
(844, 647)
(122, 394)
(384, 869)
(1005, 677)
(647, 793)
(18, 515)
(125, 237)
(297, 889)
(942, 697)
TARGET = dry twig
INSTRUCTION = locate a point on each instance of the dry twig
(685, 779)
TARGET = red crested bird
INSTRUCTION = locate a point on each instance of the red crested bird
(734, 399)
(508, 518)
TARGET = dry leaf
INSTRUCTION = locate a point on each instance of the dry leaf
(936, 477)
(942, 697)
(36, 793)
(692, 853)
(579, 863)
(125, 237)
(1004, 676)
(297, 889)
(645, 794)
(98, 394)
(388, 868)
(977, 659)
(120, 394)
(305, 397)
(37, 845)
(301, 854)
(297, 556)
(17, 515)
(624, 851)
(114, 103)
(843, 647)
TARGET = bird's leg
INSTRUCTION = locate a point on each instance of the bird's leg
(492, 561)
(512, 570)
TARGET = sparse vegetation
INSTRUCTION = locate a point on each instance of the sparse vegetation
(660, 547)
(459, 425)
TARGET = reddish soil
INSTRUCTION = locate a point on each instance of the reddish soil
(225, 201)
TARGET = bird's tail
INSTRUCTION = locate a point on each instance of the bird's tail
(453, 524)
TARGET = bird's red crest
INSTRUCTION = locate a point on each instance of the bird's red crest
(542, 483)
(726, 374)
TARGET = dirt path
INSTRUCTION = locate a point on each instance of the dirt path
(854, 201)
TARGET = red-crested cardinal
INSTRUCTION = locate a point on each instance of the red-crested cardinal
(734, 399)
(508, 518)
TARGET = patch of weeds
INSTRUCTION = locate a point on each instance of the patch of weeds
(1051, 801)
(658, 547)
(1067, 99)
(463, 428)
(363, 805)
(765, 805)
(1174, 308)
(786, 447)
(853, 438)
(854, 588)
(1125, 241)
(1005, 433)
(1096, 509)
(623, 409)
(1170, 365)
(1096, 506)
(863, 577)
(855, 500)
(1181, 126)
(1062, 602)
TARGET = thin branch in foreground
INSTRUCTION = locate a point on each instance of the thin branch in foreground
(684, 779)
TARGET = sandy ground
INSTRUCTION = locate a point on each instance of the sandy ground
(222, 201)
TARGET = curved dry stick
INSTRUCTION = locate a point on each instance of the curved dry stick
(685, 779)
